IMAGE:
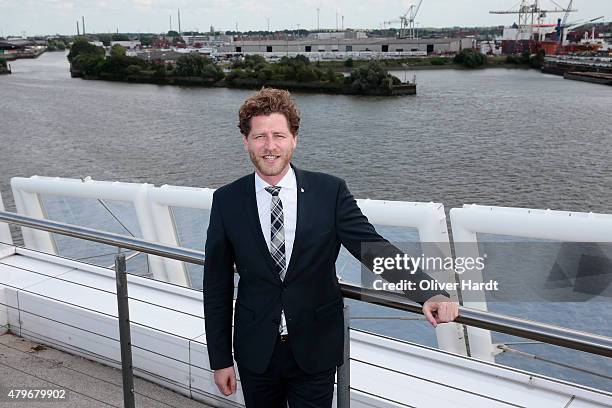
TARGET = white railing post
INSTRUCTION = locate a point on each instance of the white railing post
(430, 221)
(5, 232)
(28, 203)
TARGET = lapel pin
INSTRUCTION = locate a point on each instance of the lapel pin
(302, 190)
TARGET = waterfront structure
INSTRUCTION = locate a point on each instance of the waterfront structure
(206, 39)
(168, 55)
(376, 45)
(20, 48)
(14, 46)
(594, 69)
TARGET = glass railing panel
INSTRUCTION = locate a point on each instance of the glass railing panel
(378, 319)
(567, 284)
(191, 226)
(118, 217)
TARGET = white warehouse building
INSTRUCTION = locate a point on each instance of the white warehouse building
(375, 45)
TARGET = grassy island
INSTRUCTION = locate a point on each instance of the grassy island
(297, 73)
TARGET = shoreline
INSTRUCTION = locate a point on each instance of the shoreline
(310, 87)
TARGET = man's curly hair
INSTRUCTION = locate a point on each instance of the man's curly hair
(265, 102)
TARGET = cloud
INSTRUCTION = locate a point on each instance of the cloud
(52, 16)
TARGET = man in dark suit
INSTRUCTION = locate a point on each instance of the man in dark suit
(281, 229)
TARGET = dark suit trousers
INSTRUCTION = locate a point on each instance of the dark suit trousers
(284, 381)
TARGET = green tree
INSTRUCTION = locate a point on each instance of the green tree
(301, 59)
(254, 62)
(56, 44)
(349, 63)
(133, 70)
(289, 72)
(88, 63)
(147, 40)
(105, 39)
(265, 74)
(469, 58)
(197, 65)
(117, 51)
(537, 60)
(525, 56)
(159, 70)
(235, 74)
(439, 61)
(117, 66)
(120, 37)
(212, 72)
(512, 59)
(370, 77)
(191, 64)
(305, 73)
(330, 75)
(82, 46)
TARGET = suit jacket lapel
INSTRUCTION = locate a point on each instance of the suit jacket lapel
(303, 217)
(254, 224)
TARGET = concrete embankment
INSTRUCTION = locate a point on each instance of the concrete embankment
(322, 87)
(35, 53)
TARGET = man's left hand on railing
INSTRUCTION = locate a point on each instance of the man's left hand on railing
(440, 309)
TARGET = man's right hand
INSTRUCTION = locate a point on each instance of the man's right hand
(225, 378)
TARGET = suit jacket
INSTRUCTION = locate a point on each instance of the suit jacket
(327, 216)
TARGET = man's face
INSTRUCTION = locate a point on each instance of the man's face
(270, 145)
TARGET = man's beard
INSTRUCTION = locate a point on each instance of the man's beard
(265, 168)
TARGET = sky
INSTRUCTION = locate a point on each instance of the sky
(39, 17)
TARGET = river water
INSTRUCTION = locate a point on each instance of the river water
(506, 137)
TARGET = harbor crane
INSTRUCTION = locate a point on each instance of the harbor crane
(407, 21)
(531, 15)
(569, 26)
(569, 7)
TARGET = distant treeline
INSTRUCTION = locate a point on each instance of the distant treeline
(365, 79)
(56, 45)
(527, 59)
(472, 59)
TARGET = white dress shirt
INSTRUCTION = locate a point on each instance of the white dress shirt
(288, 196)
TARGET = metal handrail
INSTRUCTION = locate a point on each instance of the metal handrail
(103, 237)
(560, 336)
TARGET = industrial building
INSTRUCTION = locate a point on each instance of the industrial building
(129, 45)
(194, 39)
(375, 45)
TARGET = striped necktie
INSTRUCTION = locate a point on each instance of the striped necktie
(277, 232)
(277, 243)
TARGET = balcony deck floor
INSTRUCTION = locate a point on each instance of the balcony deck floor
(25, 364)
